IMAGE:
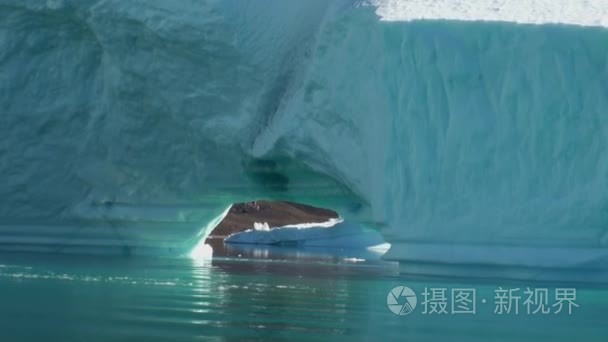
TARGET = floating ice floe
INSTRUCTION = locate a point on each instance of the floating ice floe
(334, 233)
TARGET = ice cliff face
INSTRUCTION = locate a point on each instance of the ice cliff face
(141, 121)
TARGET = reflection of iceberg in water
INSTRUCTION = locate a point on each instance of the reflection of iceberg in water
(341, 255)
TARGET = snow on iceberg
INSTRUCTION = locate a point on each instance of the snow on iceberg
(585, 13)
(334, 233)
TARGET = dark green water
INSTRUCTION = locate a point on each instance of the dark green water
(274, 296)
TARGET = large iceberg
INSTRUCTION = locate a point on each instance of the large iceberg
(135, 124)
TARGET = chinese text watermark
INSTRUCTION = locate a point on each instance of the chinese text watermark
(402, 300)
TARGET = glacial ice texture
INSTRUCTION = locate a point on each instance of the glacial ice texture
(139, 122)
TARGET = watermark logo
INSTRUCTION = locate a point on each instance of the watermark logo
(434, 301)
(401, 300)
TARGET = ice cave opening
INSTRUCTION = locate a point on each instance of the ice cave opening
(264, 228)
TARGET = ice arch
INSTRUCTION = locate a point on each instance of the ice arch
(144, 120)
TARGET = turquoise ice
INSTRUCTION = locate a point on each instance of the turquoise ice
(139, 122)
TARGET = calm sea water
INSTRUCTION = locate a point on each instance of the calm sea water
(259, 294)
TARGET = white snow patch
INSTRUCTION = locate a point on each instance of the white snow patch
(261, 226)
(330, 223)
(257, 226)
(585, 13)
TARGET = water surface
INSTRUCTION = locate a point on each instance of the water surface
(257, 295)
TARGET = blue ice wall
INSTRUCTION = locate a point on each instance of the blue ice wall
(145, 119)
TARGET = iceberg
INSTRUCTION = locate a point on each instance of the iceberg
(334, 234)
(471, 133)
